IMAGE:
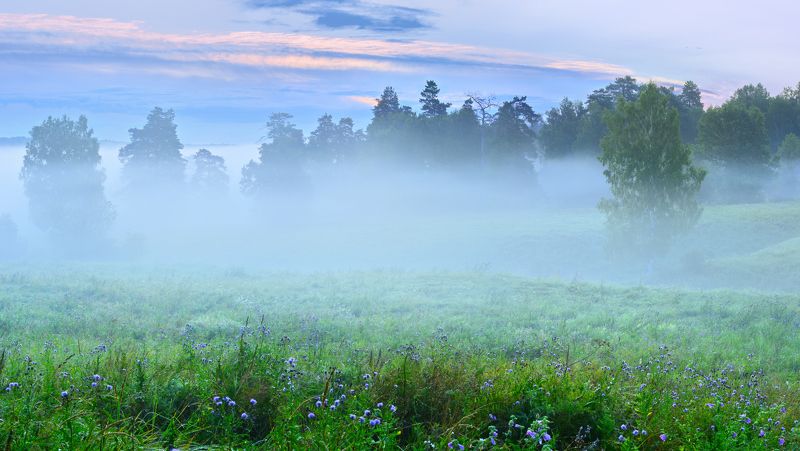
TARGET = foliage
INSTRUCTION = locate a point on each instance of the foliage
(333, 143)
(64, 184)
(210, 174)
(439, 358)
(650, 174)
(280, 165)
(734, 137)
(429, 99)
(560, 131)
(153, 157)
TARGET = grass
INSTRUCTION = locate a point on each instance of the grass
(465, 358)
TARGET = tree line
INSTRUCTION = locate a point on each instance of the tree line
(748, 138)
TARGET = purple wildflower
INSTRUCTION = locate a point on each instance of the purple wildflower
(253, 402)
(781, 441)
(663, 437)
(245, 415)
(393, 408)
(624, 427)
(761, 433)
(318, 403)
(380, 404)
(109, 387)
(64, 394)
(311, 415)
(546, 437)
(530, 434)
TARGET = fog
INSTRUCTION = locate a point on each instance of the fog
(375, 216)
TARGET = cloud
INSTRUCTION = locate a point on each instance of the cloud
(364, 100)
(75, 39)
(337, 14)
(343, 19)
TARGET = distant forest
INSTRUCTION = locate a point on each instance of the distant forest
(746, 145)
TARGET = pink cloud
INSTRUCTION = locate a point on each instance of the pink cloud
(265, 49)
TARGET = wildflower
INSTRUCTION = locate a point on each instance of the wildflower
(367, 413)
(624, 427)
(318, 403)
(97, 378)
(663, 437)
(393, 408)
(94, 384)
(492, 417)
(380, 404)
(245, 415)
(546, 437)
(253, 402)
(311, 415)
(748, 420)
(352, 416)
(361, 419)
(109, 387)
(374, 422)
(460, 447)
(450, 445)
(781, 441)
(735, 435)
(530, 434)
(621, 438)
(710, 405)
(635, 432)
(64, 394)
(761, 433)
(215, 399)
(332, 408)
(644, 432)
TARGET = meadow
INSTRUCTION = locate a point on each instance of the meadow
(161, 356)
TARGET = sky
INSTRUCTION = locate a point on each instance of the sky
(225, 65)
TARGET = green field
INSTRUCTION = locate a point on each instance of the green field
(456, 357)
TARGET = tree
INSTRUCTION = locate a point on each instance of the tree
(330, 142)
(210, 174)
(650, 174)
(690, 110)
(483, 106)
(734, 138)
(431, 105)
(153, 157)
(789, 150)
(513, 134)
(752, 96)
(789, 155)
(64, 184)
(560, 132)
(280, 166)
(593, 126)
(387, 104)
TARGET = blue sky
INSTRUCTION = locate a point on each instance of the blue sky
(225, 65)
